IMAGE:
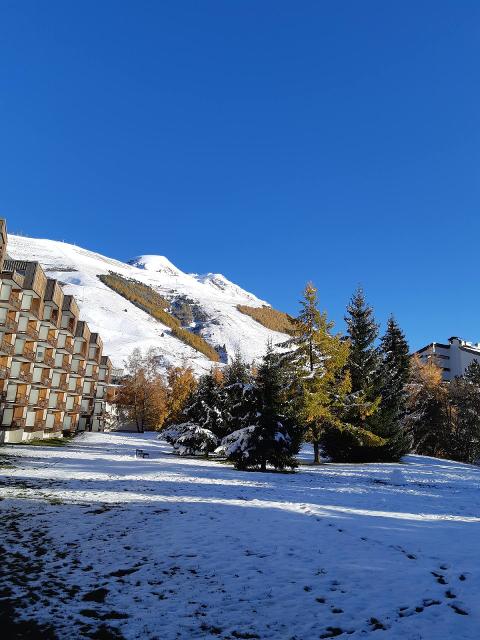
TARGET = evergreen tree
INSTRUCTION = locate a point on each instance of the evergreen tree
(363, 361)
(206, 405)
(472, 372)
(393, 377)
(316, 360)
(238, 395)
(272, 439)
(464, 396)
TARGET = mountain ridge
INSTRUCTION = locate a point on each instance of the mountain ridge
(124, 326)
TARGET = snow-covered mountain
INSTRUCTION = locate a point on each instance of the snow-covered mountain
(123, 326)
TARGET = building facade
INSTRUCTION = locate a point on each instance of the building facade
(53, 375)
(453, 358)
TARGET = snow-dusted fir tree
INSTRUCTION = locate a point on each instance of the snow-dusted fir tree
(272, 438)
(363, 361)
(394, 372)
(238, 395)
(206, 405)
(316, 361)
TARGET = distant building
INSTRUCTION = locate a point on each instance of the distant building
(453, 358)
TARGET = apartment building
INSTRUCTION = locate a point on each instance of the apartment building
(53, 375)
(453, 357)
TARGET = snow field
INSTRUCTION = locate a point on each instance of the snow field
(186, 548)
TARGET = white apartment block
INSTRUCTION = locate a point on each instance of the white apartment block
(453, 358)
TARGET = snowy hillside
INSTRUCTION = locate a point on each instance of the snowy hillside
(123, 326)
(101, 544)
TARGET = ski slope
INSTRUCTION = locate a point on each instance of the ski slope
(124, 327)
(175, 549)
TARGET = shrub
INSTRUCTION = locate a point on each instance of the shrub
(352, 444)
(270, 318)
(150, 301)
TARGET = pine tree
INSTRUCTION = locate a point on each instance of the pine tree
(363, 361)
(394, 372)
(316, 360)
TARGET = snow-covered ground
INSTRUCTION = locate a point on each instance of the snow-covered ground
(173, 548)
(123, 326)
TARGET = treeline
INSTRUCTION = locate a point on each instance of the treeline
(150, 301)
(357, 397)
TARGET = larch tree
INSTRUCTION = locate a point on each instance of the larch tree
(181, 384)
(427, 418)
(316, 358)
(142, 397)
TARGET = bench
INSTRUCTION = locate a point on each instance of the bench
(140, 453)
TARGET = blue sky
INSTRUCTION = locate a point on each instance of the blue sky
(275, 142)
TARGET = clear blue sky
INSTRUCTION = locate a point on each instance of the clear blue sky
(275, 142)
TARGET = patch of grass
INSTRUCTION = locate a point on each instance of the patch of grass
(150, 301)
(270, 318)
(48, 442)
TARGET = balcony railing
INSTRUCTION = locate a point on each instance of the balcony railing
(14, 301)
(6, 348)
(17, 423)
(27, 353)
(42, 403)
(30, 332)
(24, 376)
(47, 360)
(80, 371)
(8, 325)
(44, 381)
(68, 347)
(21, 400)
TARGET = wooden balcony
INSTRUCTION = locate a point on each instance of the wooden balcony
(44, 381)
(17, 423)
(28, 354)
(30, 332)
(41, 403)
(81, 371)
(47, 361)
(24, 376)
(8, 326)
(6, 348)
(15, 301)
(21, 400)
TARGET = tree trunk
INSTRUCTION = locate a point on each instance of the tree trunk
(264, 465)
(316, 453)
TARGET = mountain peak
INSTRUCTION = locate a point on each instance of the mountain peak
(158, 264)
